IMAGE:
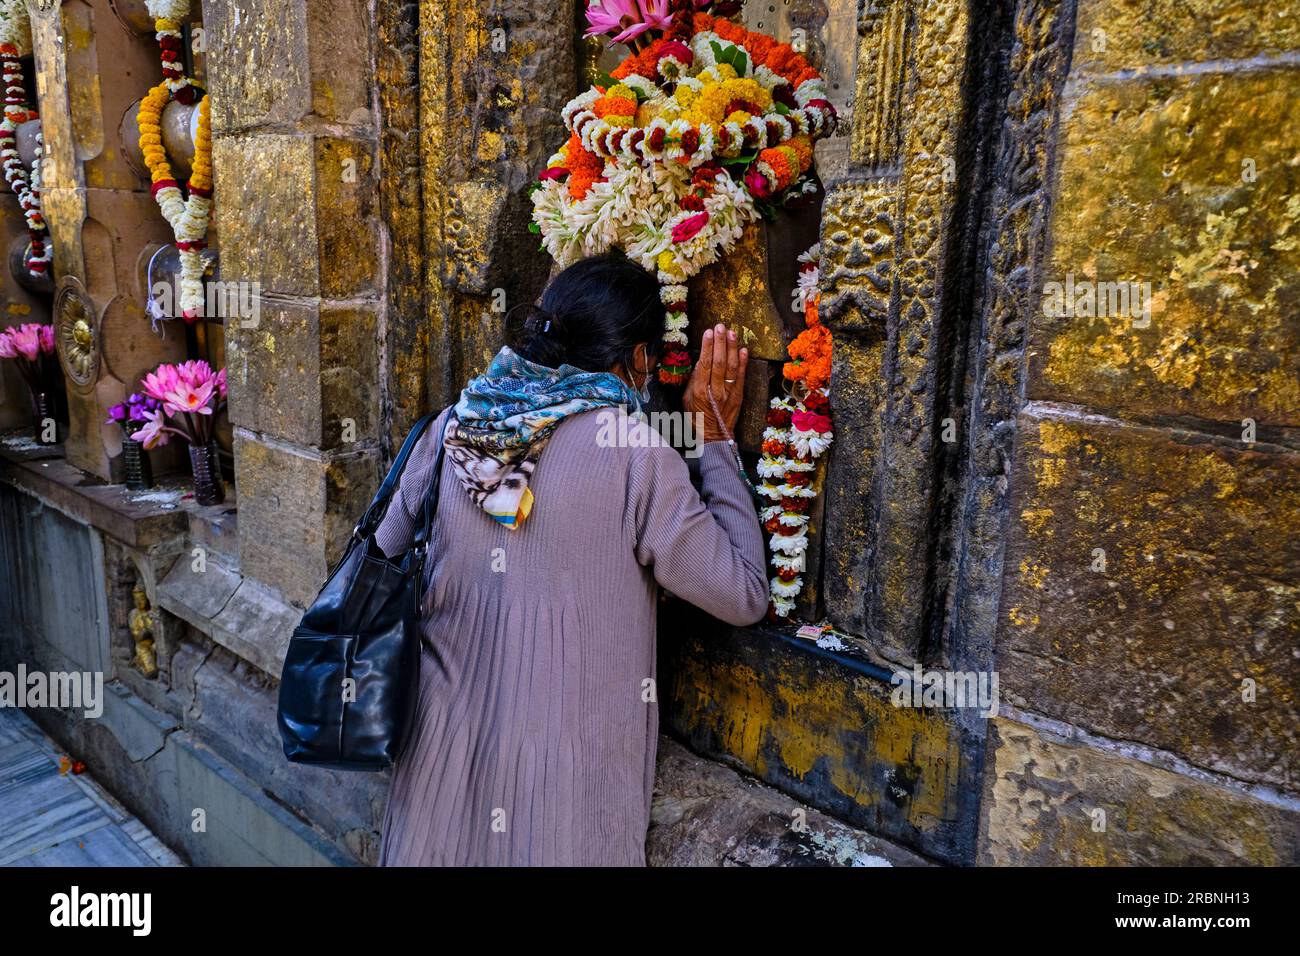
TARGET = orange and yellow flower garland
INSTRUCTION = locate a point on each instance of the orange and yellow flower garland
(187, 216)
(671, 156)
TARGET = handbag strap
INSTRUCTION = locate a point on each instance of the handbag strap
(425, 527)
(370, 521)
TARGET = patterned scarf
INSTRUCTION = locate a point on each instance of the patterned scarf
(506, 416)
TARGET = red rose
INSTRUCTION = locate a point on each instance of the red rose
(689, 227)
(757, 184)
(810, 422)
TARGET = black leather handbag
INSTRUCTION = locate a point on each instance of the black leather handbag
(351, 675)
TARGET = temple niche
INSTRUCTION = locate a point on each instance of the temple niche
(111, 245)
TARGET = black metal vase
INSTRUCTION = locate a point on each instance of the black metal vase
(139, 472)
(206, 466)
(45, 427)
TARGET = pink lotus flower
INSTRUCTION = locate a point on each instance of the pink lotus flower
(47, 339)
(161, 381)
(189, 398)
(27, 340)
(152, 435)
(757, 183)
(810, 422)
(631, 17)
(689, 227)
(190, 394)
(7, 349)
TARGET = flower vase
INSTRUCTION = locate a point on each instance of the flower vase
(139, 472)
(208, 489)
(43, 414)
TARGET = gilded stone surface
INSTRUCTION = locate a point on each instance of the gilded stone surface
(1018, 207)
(63, 200)
(1125, 34)
(735, 291)
(856, 387)
(1051, 802)
(267, 214)
(882, 52)
(1151, 580)
(258, 63)
(296, 511)
(858, 256)
(346, 225)
(1187, 184)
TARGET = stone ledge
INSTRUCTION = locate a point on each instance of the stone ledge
(819, 724)
(138, 519)
(706, 814)
(242, 615)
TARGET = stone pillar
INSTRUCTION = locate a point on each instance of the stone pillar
(295, 142)
(887, 294)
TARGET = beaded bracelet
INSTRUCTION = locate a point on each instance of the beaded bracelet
(731, 441)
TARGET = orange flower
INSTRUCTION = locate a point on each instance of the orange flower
(811, 355)
(584, 168)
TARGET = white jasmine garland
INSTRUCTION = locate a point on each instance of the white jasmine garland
(790, 543)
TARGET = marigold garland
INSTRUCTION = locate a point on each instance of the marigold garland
(798, 432)
(188, 216)
(672, 157)
(15, 42)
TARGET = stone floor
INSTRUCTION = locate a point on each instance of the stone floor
(52, 817)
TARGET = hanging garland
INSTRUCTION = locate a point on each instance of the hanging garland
(187, 215)
(798, 433)
(16, 42)
(700, 130)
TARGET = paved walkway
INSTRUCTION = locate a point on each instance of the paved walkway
(48, 818)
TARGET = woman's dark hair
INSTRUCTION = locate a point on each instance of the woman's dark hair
(592, 315)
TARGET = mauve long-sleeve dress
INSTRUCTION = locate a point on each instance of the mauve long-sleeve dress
(534, 739)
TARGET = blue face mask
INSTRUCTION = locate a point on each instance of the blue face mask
(643, 393)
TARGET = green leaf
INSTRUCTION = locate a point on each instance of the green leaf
(781, 108)
(534, 229)
(740, 61)
(605, 80)
(744, 159)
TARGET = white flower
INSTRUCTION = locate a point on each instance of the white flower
(790, 562)
(769, 467)
(790, 543)
(786, 589)
(792, 519)
(809, 443)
